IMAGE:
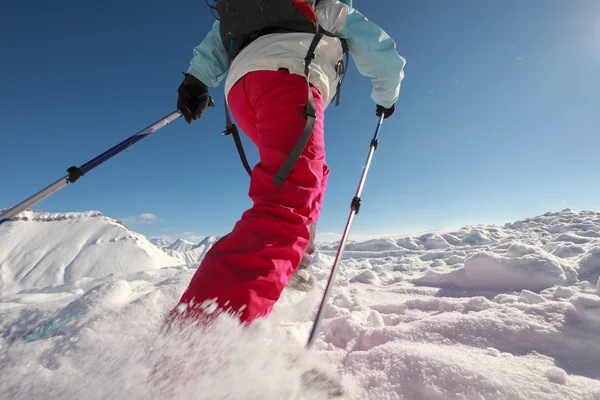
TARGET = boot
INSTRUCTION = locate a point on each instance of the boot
(302, 279)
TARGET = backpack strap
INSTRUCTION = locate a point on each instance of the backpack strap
(343, 68)
(231, 129)
(310, 114)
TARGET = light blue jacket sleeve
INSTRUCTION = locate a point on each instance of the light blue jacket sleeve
(375, 55)
(210, 63)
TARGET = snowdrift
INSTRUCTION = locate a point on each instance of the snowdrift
(39, 249)
(483, 312)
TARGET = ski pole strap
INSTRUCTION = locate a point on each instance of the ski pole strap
(310, 54)
(343, 68)
(310, 114)
(74, 173)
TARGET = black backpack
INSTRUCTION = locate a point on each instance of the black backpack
(242, 21)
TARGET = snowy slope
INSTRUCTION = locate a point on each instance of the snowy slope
(484, 312)
(38, 249)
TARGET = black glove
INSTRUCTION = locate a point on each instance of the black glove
(193, 98)
(387, 112)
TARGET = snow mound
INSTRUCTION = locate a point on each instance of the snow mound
(521, 249)
(436, 372)
(368, 277)
(455, 259)
(408, 243)
(563, 292)
(451, 239)
(589, 267)
(564, 250)
(40, 249)
(476, 237)
(433, 241)
(557, 375)
(372, 245)
(529, 297)
(493, 272)
(586, 311)
(571, 238)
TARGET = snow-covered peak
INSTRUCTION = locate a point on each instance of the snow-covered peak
(43, 216)
(39, 249)
(207, 242)
(159, 242)
(181, 245)
(189, 252)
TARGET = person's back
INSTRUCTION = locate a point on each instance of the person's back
(267, 91)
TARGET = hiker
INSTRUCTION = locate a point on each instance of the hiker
(267, 70)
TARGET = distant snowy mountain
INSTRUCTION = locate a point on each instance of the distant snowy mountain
(206, 243)
(483, 312)
(181, 246)
(189, 252)
(39, 249)
(158, 242)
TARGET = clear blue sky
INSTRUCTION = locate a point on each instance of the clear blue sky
(498, 117)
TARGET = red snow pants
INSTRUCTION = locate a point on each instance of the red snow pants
(246, 270)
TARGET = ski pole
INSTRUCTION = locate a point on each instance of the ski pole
(75, 173)
(354, 209)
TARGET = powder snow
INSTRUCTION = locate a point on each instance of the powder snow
(483, 312)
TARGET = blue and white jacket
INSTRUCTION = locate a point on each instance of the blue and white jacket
(373, 51)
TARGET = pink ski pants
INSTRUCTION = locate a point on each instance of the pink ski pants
(246, 270)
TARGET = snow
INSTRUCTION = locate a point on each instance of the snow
(368, 277)
(563, 292)
(589, 266)
(557, 375)
(565, 250)
(40, 249)
(433, 241)
(493, 272)
(181, 245)
(159, 242)
(189, 252)
(483, 312)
